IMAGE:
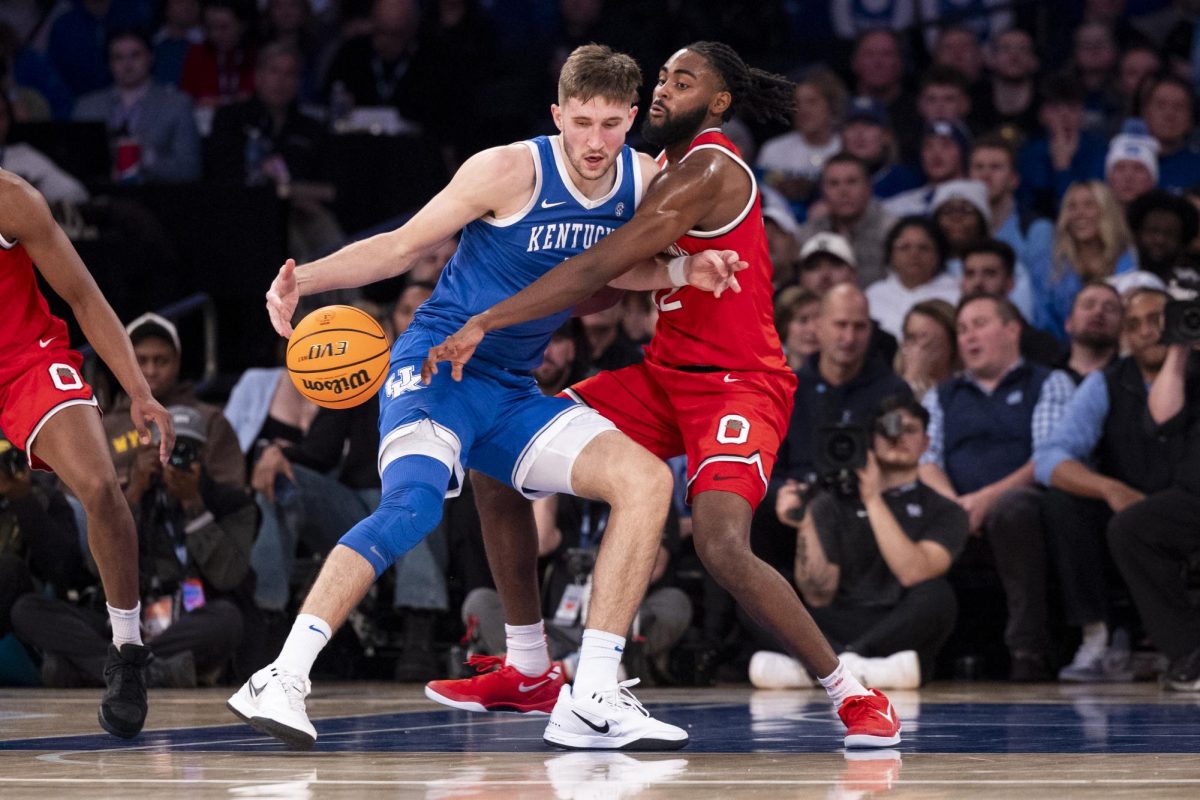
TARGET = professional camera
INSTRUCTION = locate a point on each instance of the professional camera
(185, 453)
(841, 449)
(1181, 322)
(580, 562)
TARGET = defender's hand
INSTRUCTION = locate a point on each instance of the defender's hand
(282, 298)
(457, 349)
(714, 271)
(147, 410)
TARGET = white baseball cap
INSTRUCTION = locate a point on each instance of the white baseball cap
(834, 244)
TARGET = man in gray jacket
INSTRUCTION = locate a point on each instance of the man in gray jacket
(151, 123)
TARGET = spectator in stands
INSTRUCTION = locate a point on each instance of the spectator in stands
(1031, 237)
(782, 246)
(945, 153)
(194, 538)
(1164, 227)
(943, 97)
(843, 382)
(1094, 330)
(641, 316)
(29, 81)
(852, 213)
(136, 108)
(1064, 154)
(180, 30)
(76, 45)
(291, 22)
(1091, 241)
(1093, 64)
(792, 162)
(963, 214)
(796, 313)
(386, 67)
(293, 151)
(878, 68)
(1154, 539)
(565, 361)
(1099, 460)
(156, 345)
(868, 136)
(871, 566)
(825, 261)
(56, 185)
(608, 346)
(929, 350)
(1138, 63)
(982, 423)
(1131, 166)
(988, 269)
(1010, 97)
(959, 48)
(1169, 110)
(916, 252)
(220, 70)
(39, 540)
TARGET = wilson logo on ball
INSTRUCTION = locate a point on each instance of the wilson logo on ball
(337, 356)
(339, 385)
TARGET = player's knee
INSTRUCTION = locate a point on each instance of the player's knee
(404, 517)
(644, 480)
(99, 495)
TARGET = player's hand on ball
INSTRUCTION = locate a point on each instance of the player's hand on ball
(146, 410)
(457, 349)
(714, 271)
(282, 298)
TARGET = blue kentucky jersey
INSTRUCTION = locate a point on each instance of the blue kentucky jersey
(496, 258)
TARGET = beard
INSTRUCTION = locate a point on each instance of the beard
(1096, 340)
(673, 128)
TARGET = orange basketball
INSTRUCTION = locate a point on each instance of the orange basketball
(337, 356)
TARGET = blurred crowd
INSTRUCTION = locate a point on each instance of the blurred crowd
(977, 222)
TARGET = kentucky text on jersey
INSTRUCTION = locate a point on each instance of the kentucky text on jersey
(573, 236)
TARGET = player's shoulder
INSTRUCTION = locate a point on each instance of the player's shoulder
(647, 165)
(503, 162)
(14, 188)
(19, 201)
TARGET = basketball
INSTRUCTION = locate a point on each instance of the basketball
(337, 356)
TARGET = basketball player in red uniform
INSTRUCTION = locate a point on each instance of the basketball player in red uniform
(47, 410)
(714, 383)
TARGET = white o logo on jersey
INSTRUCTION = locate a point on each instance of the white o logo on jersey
(733, 429)
(65, 377)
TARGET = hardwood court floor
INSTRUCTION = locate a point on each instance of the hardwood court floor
(960, 740)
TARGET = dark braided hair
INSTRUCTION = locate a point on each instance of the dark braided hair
(763, 95)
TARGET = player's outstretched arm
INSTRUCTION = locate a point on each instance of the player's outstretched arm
(674, 202)
(498, 181)
(28, 220)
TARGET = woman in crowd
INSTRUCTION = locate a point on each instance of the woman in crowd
(796, 312)
(1091, 242)
(916, 253)
(929, 350)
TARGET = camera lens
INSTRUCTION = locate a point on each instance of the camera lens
(841, 448)
(1189, 323)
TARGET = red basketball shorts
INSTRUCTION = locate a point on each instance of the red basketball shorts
(728, 424)
(33, 388)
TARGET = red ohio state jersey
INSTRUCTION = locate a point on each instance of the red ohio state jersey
(26, 320)
(736, 331)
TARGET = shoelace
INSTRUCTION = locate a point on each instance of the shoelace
(295, 689)
(124, 670)
(483, 663)
(621, 696)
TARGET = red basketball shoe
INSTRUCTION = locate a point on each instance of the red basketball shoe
(870, 720)
(499, 687)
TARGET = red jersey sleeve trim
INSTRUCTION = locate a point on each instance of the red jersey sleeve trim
(749, 205)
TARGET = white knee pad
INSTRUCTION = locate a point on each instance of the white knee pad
(425, 438)
(545, 466)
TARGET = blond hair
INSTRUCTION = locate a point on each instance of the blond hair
(596, 70)
(1114, 233)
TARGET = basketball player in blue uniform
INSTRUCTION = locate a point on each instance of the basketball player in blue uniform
(522, 208)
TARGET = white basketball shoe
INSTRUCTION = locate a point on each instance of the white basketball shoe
(272, 702)
(609, 720)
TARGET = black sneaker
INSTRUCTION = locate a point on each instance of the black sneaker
(1184, 674)
(123, 707)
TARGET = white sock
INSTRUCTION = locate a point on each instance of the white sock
(527, 650)
(1095, 638)
(126, 625)
(309, 634)
(841, 684)
(599, 658)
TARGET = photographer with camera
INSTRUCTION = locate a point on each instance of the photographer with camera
(39, 541)
(194, 538)
(984, 426)
(873, 545)
(1153, 541)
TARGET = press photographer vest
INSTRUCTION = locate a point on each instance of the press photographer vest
(1127, 450)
